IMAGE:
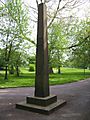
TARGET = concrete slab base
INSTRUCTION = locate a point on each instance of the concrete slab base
(51, 104)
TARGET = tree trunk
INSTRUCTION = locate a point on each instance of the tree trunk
(59, 71)
(51, 70)
(6, 61)
(7, 57)
(11, 71)
(17, 71)
(6, 75)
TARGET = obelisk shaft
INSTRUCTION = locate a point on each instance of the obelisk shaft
(42, 77)
(42, 101)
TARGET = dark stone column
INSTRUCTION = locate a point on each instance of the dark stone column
(42, 79)
(42, 101)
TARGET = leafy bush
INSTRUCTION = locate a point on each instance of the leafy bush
(31, 68)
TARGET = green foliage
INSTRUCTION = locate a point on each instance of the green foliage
(2, 60)
(28, 79)
(11, 69)
(32, 60)
(57, 41)
(14, 26)
(31, 68)
(80, 56)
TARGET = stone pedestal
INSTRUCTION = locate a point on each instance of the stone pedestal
(45, 105)
(42, 102)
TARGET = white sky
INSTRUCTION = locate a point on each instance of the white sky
(80, 10)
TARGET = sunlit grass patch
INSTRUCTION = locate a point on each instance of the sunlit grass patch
(26, 78)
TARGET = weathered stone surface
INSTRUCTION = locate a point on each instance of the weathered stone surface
(41, 109)
(42, 77)
(44, 101)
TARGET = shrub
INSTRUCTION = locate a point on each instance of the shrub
(31, 68)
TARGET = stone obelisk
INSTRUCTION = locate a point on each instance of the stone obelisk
(42, 78)
(42, 101)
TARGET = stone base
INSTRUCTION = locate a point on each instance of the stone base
(42, 101)
(41, 105)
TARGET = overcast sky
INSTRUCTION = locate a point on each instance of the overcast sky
(81, 11)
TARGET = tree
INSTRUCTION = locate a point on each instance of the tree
(57, 41)
(2, 63)
(13, 27)
(80, 56)
(54, 12)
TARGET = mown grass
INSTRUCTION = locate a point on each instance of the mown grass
(69, 75)
(27, 78)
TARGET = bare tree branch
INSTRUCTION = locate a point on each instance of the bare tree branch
(37, 3)
(46, 1)
(70, 4)
(73, 4)
(33, 20)
(41, 1)
(79, 44)
(2, 2)
(55, 13)
(35, 10)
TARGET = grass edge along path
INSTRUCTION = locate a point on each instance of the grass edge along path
(27, 79)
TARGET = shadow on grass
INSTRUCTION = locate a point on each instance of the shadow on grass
(26, 75)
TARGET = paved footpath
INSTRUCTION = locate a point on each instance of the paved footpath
(76, 94)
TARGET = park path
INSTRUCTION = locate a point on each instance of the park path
(76, 94)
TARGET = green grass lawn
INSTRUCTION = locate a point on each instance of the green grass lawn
(27, 78)
(69, 75)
